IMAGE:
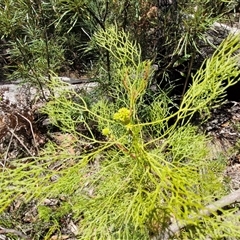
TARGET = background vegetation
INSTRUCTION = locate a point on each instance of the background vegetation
(130, 163)
(39, 37)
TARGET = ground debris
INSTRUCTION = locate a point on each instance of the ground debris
(224, 129)
(20, 133)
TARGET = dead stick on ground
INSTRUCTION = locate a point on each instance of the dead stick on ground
(7, 151)
(20, 142)
(14, 232)
(31, 127)
(207, 211)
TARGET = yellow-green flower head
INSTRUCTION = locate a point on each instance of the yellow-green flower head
(122, 115)
(106, 131)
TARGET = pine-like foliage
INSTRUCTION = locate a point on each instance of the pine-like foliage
(113, 174)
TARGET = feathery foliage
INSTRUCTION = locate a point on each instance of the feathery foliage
(129, 184)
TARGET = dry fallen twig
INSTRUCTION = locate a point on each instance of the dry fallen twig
(31, 127)
(14, 232)
(7, 151)
(12, 132)
(207, 211)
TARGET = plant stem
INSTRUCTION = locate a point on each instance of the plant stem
(175, 227)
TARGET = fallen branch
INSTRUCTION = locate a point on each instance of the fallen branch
(14, 232)
(174, 228)
(231, 30)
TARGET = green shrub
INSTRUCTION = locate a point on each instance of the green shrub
(122, 181)
(41, 37)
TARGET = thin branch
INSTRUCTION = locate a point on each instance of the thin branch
(188, 74)
(20, 141)
(14, 232)
(34, 139)
(8, 148)
(46, 40)
(95, 18)
(174, 228)
(106, 11)
(26, 60)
